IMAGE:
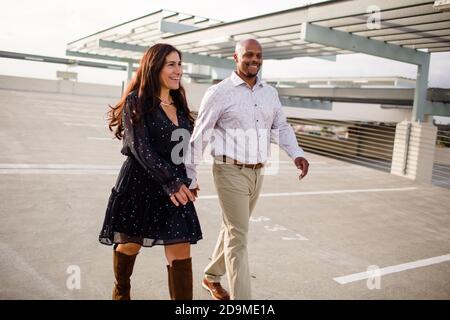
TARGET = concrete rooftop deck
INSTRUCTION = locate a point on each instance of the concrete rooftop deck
(57, 167)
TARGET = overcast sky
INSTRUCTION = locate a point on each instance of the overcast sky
(45, 27)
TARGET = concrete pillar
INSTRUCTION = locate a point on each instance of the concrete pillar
(420, 93)
(413, 153)
(220, 73)
(130, 71)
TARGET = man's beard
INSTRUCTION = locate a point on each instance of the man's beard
(251, 74)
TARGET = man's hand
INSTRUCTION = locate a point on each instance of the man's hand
(195, 190)
(182, 196)
(302, 164)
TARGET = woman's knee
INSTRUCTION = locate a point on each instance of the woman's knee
(129, 248)
(177, 251)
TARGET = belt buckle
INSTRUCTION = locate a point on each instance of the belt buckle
(251, 166)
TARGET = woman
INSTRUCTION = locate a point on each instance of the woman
(150, 203)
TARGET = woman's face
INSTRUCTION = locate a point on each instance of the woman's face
(170, 74)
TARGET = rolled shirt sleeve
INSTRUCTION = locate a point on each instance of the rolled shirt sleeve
(208, 115)
(283, 134)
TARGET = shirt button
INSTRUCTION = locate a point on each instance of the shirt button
(256, 105)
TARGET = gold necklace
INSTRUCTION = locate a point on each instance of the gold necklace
(165, 103)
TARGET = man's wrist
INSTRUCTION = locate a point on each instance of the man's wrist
(193, 184)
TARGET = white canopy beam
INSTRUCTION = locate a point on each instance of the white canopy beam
(346, 41)
(187, 57)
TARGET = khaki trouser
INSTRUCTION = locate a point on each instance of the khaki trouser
(238, 190)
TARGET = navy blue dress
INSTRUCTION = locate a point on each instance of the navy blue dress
(139, 208)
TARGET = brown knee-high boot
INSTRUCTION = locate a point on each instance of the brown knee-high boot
(123, 268)
(181, 272)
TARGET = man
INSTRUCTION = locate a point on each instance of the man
(231, 111)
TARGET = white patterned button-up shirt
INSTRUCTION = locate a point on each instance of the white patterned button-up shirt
(240, 122)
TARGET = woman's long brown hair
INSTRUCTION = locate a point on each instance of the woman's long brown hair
(147, 86)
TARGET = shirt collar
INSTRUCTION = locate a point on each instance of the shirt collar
(237, 81)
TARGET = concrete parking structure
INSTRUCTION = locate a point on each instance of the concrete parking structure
(308, 240)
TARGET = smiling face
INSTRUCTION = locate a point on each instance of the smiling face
(170, 74)
(248, 58)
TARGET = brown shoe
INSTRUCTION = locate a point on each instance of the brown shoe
(216, 290)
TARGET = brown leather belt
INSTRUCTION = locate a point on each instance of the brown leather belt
(225, 159)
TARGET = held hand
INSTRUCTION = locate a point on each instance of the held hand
(195, 191)
(302, 164)
(182, 196)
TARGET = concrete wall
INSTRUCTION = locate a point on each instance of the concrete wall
(352, 111)
(195, 91)
(59, 86)
(340, 110)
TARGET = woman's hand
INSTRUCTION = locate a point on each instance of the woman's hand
(182, 196)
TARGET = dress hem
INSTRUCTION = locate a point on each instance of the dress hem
(121, 238)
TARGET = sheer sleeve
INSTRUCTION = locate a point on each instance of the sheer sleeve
(137, 140)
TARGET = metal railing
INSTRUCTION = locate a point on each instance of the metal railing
(365, 143)
(368, 144)
(441, 166)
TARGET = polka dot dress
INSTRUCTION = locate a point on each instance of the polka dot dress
(139, 208)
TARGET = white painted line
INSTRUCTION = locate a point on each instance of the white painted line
(54, 171)
(66, 115)
(59, 108)
(23, 168)
(293, 170)
(259, 219)
(392, 269)
(276, 227)
(292, 162)
(73, 124)
(99, 138)
(210, 160)
(297, 237)
(208, 197)
(309, 193)
(13, 261)
(57, 166)
(334, 169)
(312, 193)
